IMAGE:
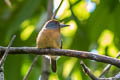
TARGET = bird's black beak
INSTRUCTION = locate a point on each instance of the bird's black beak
(63, 25)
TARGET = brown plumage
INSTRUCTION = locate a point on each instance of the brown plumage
(50, 37)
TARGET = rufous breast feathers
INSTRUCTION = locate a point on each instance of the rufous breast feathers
(49, 38)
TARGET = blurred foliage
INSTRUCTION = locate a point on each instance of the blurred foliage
(94, 27)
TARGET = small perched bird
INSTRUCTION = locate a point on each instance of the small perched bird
(50, 37)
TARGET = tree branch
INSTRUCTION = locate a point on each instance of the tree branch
(8, 3)
(3, 58)
(6, 51)
(54, 14)
(87, 71)
(117, 76)
(30, 69)
(107, 68)
(61, 52)
(93, 77)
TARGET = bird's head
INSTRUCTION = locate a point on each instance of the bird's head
(54, 24)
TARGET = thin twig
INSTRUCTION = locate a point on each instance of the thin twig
(87, 71)
(45, 69)
(7, 51)
(117, 76)
(8, 3)
(49, 9)
(107, 68)
(93, 77)
(30, 69)
(54, 14)
(62, 52)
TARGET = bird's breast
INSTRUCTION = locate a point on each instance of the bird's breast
(49, 38)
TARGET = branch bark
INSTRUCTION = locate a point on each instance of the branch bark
(3, 58)
(107, 68)
(30, 69)
(8, 2)
(61, 52)
(93, 77)
(54, 14)
(6, 51)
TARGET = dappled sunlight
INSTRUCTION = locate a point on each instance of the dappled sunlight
(25, 24)
(27, 29)
(63, 11)
(65, 14)
(68, 66)
(69, 32)
(101, 50)
(97, 72)
(112, 50)
(25, 67)
(94, 27)
(106, 40)
(80, 10)
(53, 77)
(76, 75)
(73, 1)
(25, 34)
(90, 5)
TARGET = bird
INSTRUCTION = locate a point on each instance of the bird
(50, 37)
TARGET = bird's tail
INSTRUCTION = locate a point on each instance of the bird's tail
(53, 64)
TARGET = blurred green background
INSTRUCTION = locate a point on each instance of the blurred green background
(94, 27)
